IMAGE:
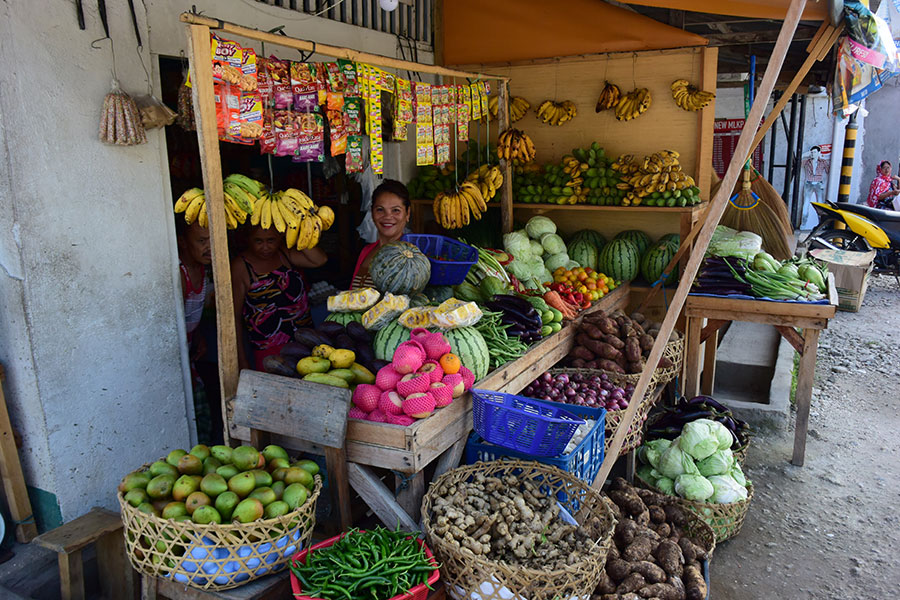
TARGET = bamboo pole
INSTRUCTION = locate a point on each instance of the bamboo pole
(506, 199)
(332, 51)
(713, 214)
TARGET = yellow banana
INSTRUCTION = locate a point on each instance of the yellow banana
(265, 216)
(292, 233)
(186, 198)
(203, 217)
(193, 209)
(277, 218)
(257, 210)
(327, 217)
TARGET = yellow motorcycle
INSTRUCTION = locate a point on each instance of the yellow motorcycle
(846, 226)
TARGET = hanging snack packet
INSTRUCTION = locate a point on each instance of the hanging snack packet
(353, 162)
(280, 74)
(304, 87)
(338, 122)
(228, 111)
(476, 102)
(264, 82)
(251, 118)
(267, 139)
(248, 81)
(463, 106)
(227, 59)
(353, 111)
(287, 137)
(311, 140)
(351, 84)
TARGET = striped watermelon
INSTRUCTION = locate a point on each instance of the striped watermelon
(472, 350)
(620, 260)
(387, 339)
(672, 239)
(345, 317)
(654, 262)
(595, 237)
(641, 239)
(584, 252)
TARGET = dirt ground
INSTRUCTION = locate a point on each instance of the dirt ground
(829, 530)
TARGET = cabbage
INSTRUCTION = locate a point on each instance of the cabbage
(666, 486)
(546, 276)
(698, 440)
(538, 226)
(572, 265)
(723, 435)
(674, 462)
(726, 490)
(738, 475)
(519, 268)
(693, 487)
(655, 474)
(517, 244)
(556, 261)
(553, 243)
(730, 242)
(650, 452)
(718, 463)
(536, 248)
(644, 472)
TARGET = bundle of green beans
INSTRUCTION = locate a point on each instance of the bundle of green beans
(502, 347)
(376, 564)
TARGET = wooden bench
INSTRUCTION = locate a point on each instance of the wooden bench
(100, 526)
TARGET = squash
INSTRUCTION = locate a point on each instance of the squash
(400, 268)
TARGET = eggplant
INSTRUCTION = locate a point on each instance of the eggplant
(358, 332)
(364, 354)
(344, 341)
(295, 351)
(279, 365)
(331, 329)
(710, 401)
(525, 316)
(309, 337)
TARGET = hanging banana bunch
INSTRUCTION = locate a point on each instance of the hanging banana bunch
(556, 113)
(455, 209)
(515, 145)
(609, 97)
(689, 97)
(518, 107)
(633, 104)
(488, 179)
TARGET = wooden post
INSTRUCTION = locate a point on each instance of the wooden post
(200, 61)
(706, 122)
(713, 214)
(805, 376)
(506, 199)
(708, 379)
(11, 473)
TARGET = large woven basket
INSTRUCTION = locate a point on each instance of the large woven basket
(216, 557)
(635, 435)
(473, 577)
(725, 520)
(674, 351)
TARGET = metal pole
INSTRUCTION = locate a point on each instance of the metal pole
(796, 199)
(789, 161)
(772, 140)
(847, 163)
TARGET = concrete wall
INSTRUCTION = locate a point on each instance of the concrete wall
(90, 330)
(880, 135)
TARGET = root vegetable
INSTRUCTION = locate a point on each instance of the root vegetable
(592, 331)
(613, 341)
(694, 584)
(640, 549)
(663, 591)
(632, 350)
(690, 550)
(657, 514)
(652, 572)
(609, 365)
(628, 501)
(663, 530)
(582, 353)
(617, 569)
(632, 583)
(668, 555)
(608, 326)
(626, 531)
(606, 585)
(675, 515)
(646, 342)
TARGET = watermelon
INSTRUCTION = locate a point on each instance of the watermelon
(438, 293)
(419, 300)
(400, 268)
(641, 239)
(388, 338)
(345, 317)
(472, 350)
(592, 236)
(620, 260)
(584, 252)
(654, 262)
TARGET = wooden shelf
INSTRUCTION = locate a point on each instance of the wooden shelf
(589, 207)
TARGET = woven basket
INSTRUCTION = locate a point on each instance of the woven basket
(635, 435)
(740, 455)
(216, 557)
(471, 577)
(725, 520)
(674, 351)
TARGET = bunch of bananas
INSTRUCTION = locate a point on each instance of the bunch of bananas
(241, 193)
(556, 113)
(575, 169)
(515, 145)
(689, 97)
(657, 175)
(518, 107)
(633, 104)
(609, 96)
(488, 179)
(293, 213)
(455, 209)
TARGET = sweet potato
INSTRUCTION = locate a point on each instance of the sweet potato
(613, 341)
(646, 342)
(634, 367)
(592, 331)
(592, 364)
(675, 514)
(632, 583)
(663, 591)
(640, 549)
(609, 365)
(668, 556)
(639, 317)
(694, 584)
(579, 363)
(617, 569)
(690, 550)
(664, 362)
(606, 585)
(637, 327)
(657, 514)
(628, 501)
(652, 572)
(601, 349)
(632, 350)
(608, 326)
(582, 353)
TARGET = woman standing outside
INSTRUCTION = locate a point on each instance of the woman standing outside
(882, 190)
(269, 294)
(390, 212)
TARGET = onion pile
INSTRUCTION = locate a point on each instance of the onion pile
(595, 391)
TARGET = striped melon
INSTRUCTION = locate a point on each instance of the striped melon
(592, 236)
(672, 239)
(641, 239)
(620, 260)
(345, 317)
(654, 262)
(584, 252)
(472, 350)
(400, 268)
(387, 339)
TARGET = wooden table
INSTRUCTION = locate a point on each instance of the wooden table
(797, 323)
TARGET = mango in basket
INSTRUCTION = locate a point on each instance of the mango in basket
(242, 484)
(278, 463)
(266, 495)
(174, 456)
(248, 510)
(160, 486)
(201, 451)
(213, 484)
(136, 480)
(136, 497)
(173, 510)
(161, 467)
(245, 458)
(210, 465)
(295, 495)
(195, 501)
(298, 475)
(273, 451)
(277, 509)
(185, 486)
(308, 465)
(205, 515)
(223, 453)
(190, 465)
(225, 503)
(278, 488)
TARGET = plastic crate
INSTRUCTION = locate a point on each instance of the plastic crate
(417, 592)
(450, 260)
(534, 427)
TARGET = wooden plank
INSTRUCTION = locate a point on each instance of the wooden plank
(118, 580)
(13, 479)
(692, 357)
(325, 49)
(711, 328)
(149, 588)
(767, 319)
(805, 376)
(379, 497)
(394, 436)
(793, 338)
(706, 118)
(409, 493)
(450, 458)
(71, 576)
(429, 450)
(697, 305)
(714, 214)
(271, 587)
(200, 61)
(336, 463)
(708, 377)
(506, 195)
(287, 406)
(79, 532)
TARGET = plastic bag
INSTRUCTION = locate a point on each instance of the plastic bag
(453, 313)
(385, 311)
(353, 300)
(416, 317)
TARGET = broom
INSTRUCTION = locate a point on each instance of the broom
(746, 212)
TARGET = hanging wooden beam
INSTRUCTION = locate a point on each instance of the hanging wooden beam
(326, 50)
(713, 214)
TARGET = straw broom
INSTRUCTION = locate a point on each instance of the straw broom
(746, 211)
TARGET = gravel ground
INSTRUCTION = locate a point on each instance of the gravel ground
(829, 530)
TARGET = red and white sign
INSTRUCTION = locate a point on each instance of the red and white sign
(725, 137)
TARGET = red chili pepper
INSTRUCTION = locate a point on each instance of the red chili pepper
(586, 305)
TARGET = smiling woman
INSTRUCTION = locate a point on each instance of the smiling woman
(390, 211)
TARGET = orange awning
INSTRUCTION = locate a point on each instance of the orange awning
(488, 31)
(816, 10)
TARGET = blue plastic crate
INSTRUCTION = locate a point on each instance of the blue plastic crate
(450, 260)
(534, 427)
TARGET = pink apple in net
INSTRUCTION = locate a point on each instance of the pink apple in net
(419, 406)
(408, 357)
(433, 370)
(402, 420)
(435, 345)
(413, 383)
(366, 396)
(390, 403)
(454, 381)
(377, 416)
(357, 413)
(386, 379)
(441, 393)
(468, 377)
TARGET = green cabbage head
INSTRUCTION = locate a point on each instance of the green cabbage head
(674, 462)
(693, 487)
(718, 463)
(698, 439)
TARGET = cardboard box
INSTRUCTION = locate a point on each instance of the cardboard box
(851, 274)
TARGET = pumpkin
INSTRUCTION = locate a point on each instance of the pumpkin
(400, 268)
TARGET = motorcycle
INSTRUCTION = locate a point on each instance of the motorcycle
(846, 226)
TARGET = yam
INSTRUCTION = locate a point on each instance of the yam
(643, 518)
(657, 514)
(663, 530)
(613, 341)
(626, 531)
(690, 550)
(675, 515)
(639, 317)
(601, 349)
(606, 585)
(620, 484)
(617, 569)
(652, 572)
(663, 591)
(632, 350)
(582, 353)
(592, 331)
(646, 342)
(608, 326)
(646, 495)
(592, 364)
(579, 363)
(634, 367)
(637, 327)
(628, 501)
(668, 556)
(641, 548)
(609, 365)
(632, 583)
(694, 584)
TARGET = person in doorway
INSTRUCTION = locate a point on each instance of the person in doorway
(270, 301)
(390, 212)
(882, 190)
(815, 170)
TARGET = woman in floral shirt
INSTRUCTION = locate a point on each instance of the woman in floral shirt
(882, 192)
